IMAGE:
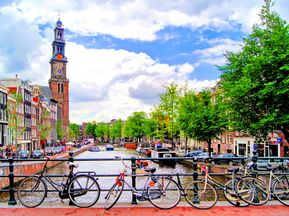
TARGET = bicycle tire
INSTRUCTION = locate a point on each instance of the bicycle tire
(164, 194)
(197, 198)
(253, 191)
(32, 191)
(113, 195)
(280, 190)
(233, 199)
(83, 191)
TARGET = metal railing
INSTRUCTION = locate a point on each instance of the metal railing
(11, 188)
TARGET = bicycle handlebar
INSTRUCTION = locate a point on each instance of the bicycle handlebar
(120, 158)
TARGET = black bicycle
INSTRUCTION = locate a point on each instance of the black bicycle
(81, 188)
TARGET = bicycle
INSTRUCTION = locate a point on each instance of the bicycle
(80, 188)
(279, 185)
(201, 194)
(160, 191)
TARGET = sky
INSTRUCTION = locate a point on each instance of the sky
(121, 54)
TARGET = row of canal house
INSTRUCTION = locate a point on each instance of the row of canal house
(29, 111)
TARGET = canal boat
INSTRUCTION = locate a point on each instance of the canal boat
(130, 145)
(109, 147)
(164, 153)
(93, 149)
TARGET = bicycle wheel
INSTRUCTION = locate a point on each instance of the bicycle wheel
(164, 193)
(113, 195)
(253, 191)
(201, 195)
(83, 191)
(280, 190)
(231, 196)
(32, 191)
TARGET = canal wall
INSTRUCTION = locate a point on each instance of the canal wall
(32, 167)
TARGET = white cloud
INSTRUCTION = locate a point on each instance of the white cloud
(139, 19)
(215, 54)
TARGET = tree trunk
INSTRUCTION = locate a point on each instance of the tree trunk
(209, 147)
(186, 145)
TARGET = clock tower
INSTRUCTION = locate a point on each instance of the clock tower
(58, 82)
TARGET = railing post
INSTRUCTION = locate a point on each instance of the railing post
(70, 176)
(133, 179)
(195, 177)
(11, 200)
(195, 168)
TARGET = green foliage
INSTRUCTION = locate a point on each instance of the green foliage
(90, 129)
(74, 130)
(199, 118)
(134, 127)
(255, 80)
(59, 130)
(116, 129)
(44, 127)
(102, 131)
(169, 105)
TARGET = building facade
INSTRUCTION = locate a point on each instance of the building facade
(3, 117)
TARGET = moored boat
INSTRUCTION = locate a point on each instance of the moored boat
(130, 145)
(109, 147)
(164, 153)
(93, 149)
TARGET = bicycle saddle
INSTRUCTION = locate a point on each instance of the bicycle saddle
(233, 169)
(150, 170)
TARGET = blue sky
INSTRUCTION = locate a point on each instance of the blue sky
(122, 53)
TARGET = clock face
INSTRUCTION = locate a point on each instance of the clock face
(58, 69)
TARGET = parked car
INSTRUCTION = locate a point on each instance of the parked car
(49, 151)
(204, 156)
(2, 155)
(23, 154)
(56, 150)
(229, 158)
(37, 154)
(193, 153)
(263, 163)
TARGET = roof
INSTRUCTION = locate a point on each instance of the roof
(46, 91)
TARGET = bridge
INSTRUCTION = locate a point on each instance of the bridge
(138, 208)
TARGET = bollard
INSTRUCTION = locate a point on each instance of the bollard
(11, 200)
(133, 179)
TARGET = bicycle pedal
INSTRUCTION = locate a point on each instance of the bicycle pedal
(62, 201)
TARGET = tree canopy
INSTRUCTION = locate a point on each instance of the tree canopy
(255, 80)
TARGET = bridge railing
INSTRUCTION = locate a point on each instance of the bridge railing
(194, 162)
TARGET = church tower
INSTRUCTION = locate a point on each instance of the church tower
(58, 82)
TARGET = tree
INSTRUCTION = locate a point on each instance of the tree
(73, 130)
(44, 127)
(116, 129)
(90, 129)
(158, 117)
(200, 118)
(102, 131)
(169, 102)
(134, 126)
(59, 130)
(255, 80)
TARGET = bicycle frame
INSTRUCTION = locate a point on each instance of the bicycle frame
(276, 178)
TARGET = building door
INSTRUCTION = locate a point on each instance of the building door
(242, 149)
